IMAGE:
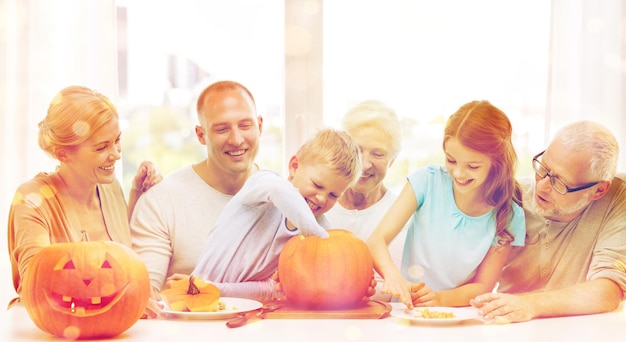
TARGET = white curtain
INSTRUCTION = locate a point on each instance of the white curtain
(45, 45)
(588, 66)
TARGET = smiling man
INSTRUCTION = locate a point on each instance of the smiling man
(170, 223)
(574, 260)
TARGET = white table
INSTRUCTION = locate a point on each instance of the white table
(15, 325)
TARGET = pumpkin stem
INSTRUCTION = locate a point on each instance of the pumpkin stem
(193, 289)
(84, 236)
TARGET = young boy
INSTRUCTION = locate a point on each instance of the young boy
(241, 252)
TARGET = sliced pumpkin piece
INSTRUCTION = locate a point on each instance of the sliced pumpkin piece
(192, 294)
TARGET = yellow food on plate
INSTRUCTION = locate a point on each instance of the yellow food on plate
(427, 313)
(193, 295)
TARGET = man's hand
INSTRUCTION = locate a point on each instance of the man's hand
(174, 277)
(503, 308)
(154, 308)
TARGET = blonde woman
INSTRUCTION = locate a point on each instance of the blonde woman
(82, 196)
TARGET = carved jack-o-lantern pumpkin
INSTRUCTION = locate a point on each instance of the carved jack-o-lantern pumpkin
(334, 272)
(86, 289)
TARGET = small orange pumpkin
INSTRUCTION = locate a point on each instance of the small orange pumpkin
(87, 289)
(334, 272)
(192, 294)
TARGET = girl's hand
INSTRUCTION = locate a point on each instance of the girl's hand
(400, 288)
(425, 296)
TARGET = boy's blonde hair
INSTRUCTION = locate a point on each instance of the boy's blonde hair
(334, 149)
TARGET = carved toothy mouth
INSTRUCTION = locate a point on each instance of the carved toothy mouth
(82, 307)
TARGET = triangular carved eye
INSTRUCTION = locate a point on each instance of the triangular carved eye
(106, 264)
(69, 265)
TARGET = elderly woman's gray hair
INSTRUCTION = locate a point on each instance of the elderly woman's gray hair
(375, 114)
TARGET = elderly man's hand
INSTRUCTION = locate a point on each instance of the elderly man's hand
(503, 308)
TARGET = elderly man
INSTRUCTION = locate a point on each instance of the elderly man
(574, 261)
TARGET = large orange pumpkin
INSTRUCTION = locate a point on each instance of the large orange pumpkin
(334, 272)
(87, 289)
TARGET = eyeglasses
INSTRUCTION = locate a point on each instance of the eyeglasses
(557, 184)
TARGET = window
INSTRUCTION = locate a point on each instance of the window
(166, 59)
(544, 63)
(423, 58)
(427, 58)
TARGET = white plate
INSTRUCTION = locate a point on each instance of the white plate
(460, 314)
(234, 306)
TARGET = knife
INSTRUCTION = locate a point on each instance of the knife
(252, 316)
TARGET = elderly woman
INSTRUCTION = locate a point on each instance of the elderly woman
(376, 129)
(82, 197)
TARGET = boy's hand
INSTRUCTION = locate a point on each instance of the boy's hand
(371, 290)
(278, 289)
(317, 231)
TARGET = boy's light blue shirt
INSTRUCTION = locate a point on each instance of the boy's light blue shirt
(446, 243)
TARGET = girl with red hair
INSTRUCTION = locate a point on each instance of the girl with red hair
(465, 217)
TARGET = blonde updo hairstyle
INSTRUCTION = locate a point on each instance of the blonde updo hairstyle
(75, 113)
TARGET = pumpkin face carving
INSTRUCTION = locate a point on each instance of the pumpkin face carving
(86, 289)
(329, 273)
